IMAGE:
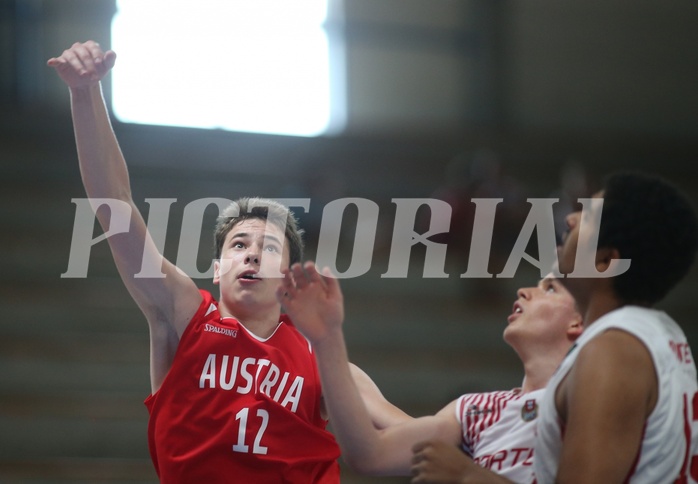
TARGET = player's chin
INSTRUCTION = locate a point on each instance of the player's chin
(561, 266)
(511, 327)
(508, 335)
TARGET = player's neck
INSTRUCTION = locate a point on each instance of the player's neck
(260, 321)
(600, 303)
(537, 375)
(540, 365)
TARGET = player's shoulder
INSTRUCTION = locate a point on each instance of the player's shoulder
(491, 398)
(604, 362)
(613, 344)
(625, 332)
(643, 322)
(208, 307)
(288, 332)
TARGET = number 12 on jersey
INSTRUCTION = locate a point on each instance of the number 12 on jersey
(690, 463)
(257, 447)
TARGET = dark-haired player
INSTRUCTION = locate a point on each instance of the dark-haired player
(622, 407)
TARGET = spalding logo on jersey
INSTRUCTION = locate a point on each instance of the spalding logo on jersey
(529, 411)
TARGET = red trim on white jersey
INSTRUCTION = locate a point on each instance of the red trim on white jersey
(498, 431)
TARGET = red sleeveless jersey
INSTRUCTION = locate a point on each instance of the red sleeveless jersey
(235, 408)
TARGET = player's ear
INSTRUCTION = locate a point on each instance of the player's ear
(216, 271)
(604, 257)
(576, 327)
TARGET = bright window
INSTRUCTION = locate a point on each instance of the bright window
(243, 65)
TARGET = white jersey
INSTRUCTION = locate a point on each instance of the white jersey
(670, 439)
(499, 431)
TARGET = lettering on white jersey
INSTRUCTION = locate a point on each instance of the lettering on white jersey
(682, 351)
(261, 376)
(473, 410)
(506, 459)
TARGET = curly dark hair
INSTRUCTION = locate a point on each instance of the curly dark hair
(262, 209)
(651, 223)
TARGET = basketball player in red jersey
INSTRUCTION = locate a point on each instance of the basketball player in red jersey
(236, 395)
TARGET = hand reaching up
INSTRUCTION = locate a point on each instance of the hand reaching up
(83, 64)
(313, 301)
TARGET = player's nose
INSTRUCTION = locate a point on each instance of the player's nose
(252, 256)
(524, 293)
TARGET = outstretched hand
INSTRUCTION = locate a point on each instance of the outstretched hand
(436, 462)
(83, 64)
(313, 301)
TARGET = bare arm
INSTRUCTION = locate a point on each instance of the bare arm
(383, 413)
(315, 305)
(168, 303)
(605, 401)
(436, 462)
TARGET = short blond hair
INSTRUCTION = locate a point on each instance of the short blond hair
(263, 209)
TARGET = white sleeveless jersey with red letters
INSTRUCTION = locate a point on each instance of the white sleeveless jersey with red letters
(235, 408)
(670, 440)
(499, 431)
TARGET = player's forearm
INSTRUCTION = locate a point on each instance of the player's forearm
(105, 175)
(383, 413)
(361, 444)
(102, 164)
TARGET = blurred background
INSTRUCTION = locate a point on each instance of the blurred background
(450, 99)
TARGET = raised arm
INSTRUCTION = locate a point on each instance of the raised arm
(168, 303)
(315, 305)
(383, 413)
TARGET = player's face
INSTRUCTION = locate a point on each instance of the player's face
(542, 314)
(575, 237)
(252, 257)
